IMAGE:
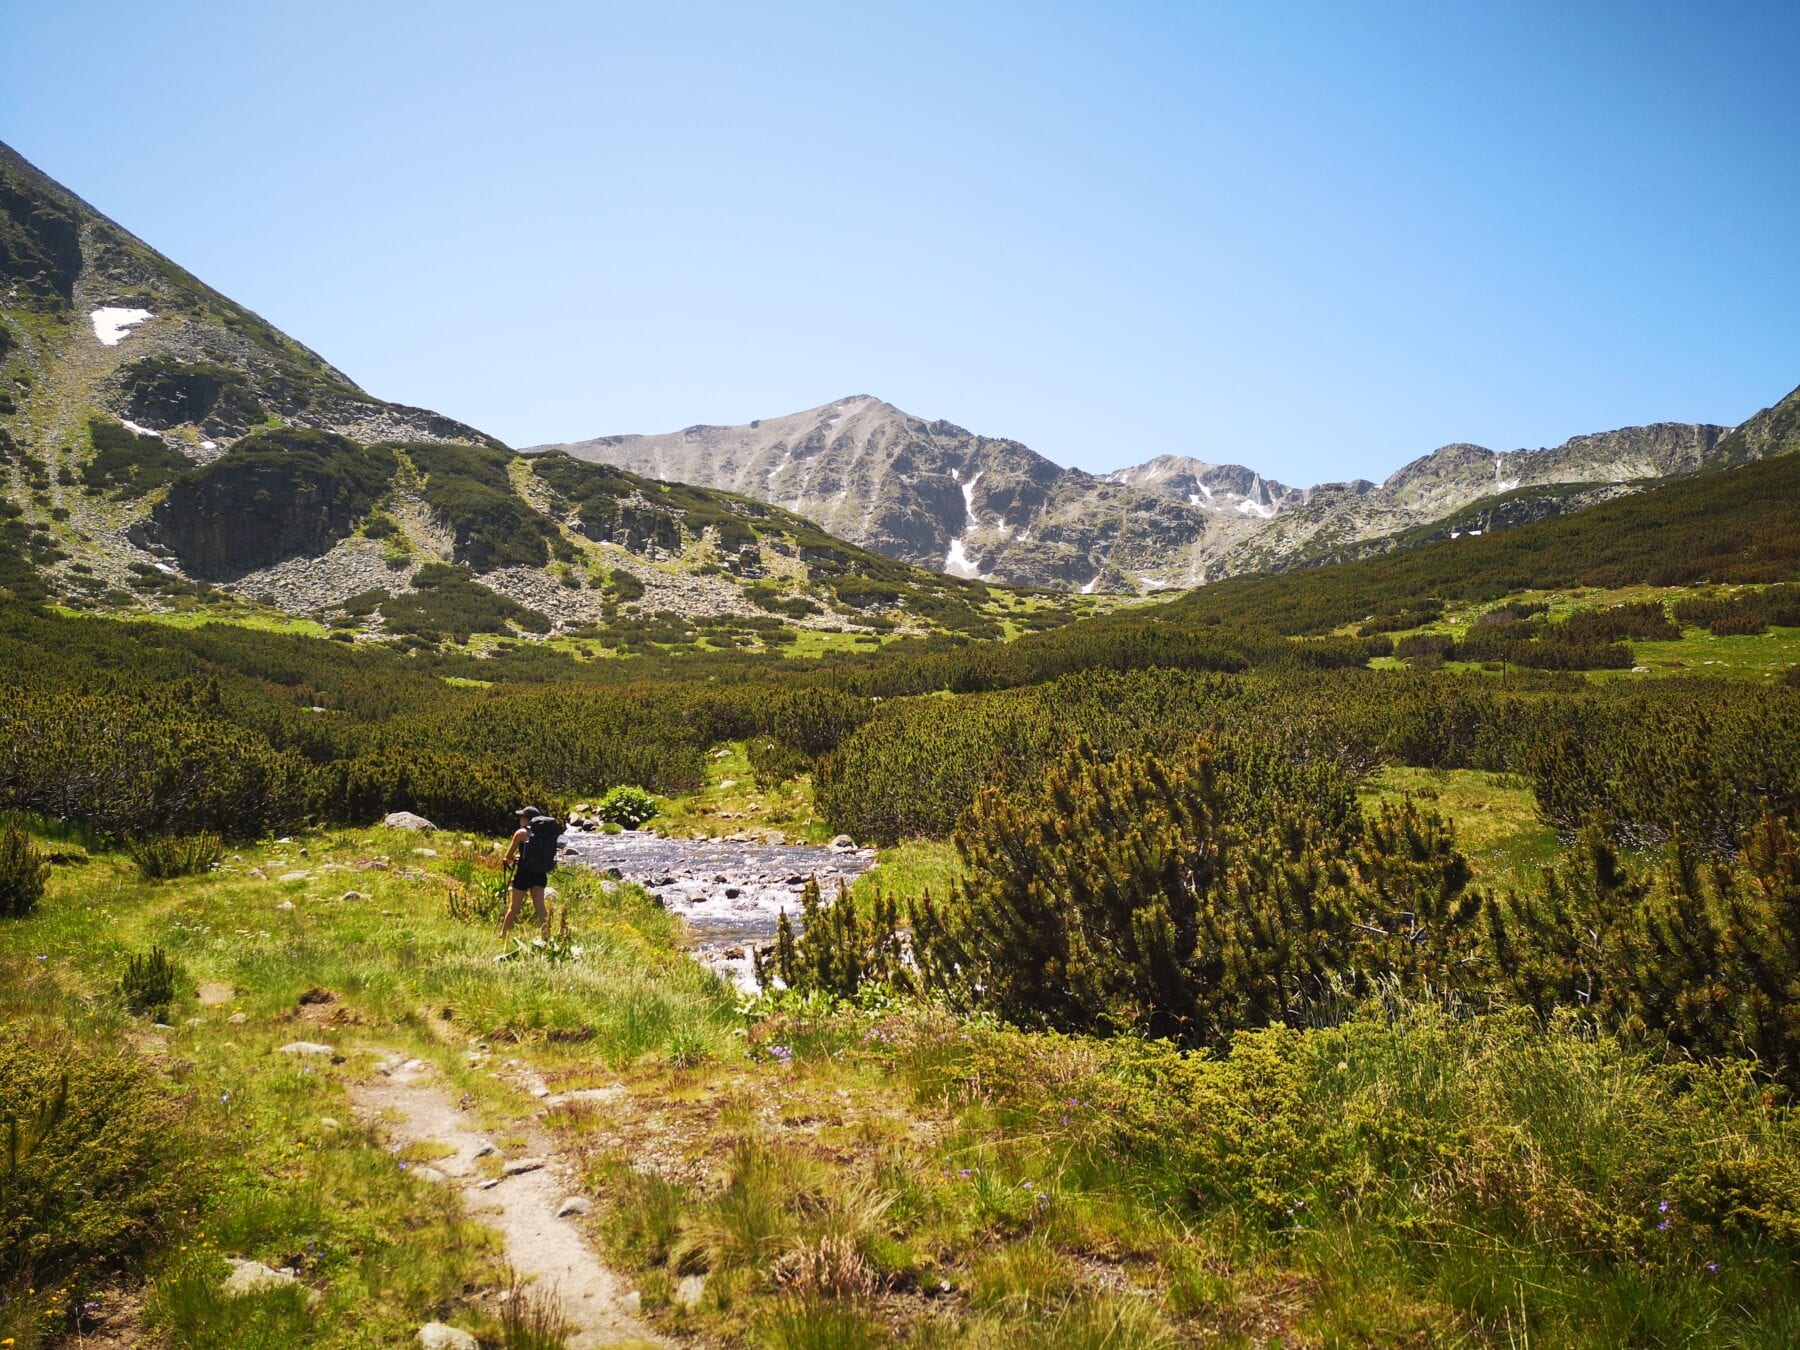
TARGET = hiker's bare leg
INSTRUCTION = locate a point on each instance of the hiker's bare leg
(512, 911)
(543, 910)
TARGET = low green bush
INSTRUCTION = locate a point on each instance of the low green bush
(627, 806)
(169, 856)
(23, 871)
(150, 982)
(92, 1172)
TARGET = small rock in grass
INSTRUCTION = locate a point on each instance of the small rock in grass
(551, 893)
(687, 1293)
(249, 1276)
(238, 1018)
(443, 1336)
(425, 852)
(406, 820)
(575, 1204)
(304, 1048)
(329, 1123)
(430, 1174)
(353, 895)
(285, 904)
(633, 1302)
(519, 1166)
(196, 1021)
(294, 876)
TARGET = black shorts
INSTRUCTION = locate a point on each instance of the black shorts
(526, 879)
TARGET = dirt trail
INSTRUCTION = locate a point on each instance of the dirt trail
(410, 1104)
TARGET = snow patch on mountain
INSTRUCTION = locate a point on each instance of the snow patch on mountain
(112, 325)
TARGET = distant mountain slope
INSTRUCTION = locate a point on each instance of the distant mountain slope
(937, 495)
(161, 446)
(1739, 524)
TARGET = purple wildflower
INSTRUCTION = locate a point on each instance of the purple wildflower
(1662, 1206)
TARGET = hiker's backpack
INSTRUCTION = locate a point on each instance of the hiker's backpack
(539, 853)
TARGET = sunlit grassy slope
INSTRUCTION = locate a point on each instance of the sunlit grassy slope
(839, 1175)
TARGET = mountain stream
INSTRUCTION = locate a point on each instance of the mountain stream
(730, 893)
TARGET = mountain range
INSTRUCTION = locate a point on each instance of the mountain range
(163, 447)
(937, 495)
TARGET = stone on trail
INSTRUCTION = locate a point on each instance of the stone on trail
(443, 1336)
(406, 820)
(304, 1048)
(575, 1204)
(519, 1166)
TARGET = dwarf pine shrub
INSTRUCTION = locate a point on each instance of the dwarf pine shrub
(149, 982)
(1183, 901)
(23, 871)
(842, 945)
(169, 856)
(1699, 956)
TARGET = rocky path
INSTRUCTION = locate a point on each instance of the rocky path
(526, 1200)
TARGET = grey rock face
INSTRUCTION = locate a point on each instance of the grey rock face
(936, 495)
(406, 820)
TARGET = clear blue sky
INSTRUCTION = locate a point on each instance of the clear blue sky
(1316, 238)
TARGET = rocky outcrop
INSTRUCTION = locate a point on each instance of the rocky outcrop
(934, 494)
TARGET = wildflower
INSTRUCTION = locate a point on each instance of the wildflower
(1663, 1227)
(1712, 1267)
(965, 1174)
(1662, 1206)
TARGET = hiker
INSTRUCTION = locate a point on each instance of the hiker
(534, 851)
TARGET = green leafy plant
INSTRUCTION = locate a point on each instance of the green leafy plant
(149, 982)
(23, 871)
(169, 856)
(627, 806)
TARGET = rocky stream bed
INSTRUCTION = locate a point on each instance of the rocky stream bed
(731, 893)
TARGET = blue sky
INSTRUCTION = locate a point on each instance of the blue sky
(1319, 239)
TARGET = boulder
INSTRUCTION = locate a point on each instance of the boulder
(249, 1276)
(443, 1336)
(406, 820)
(843, 843)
